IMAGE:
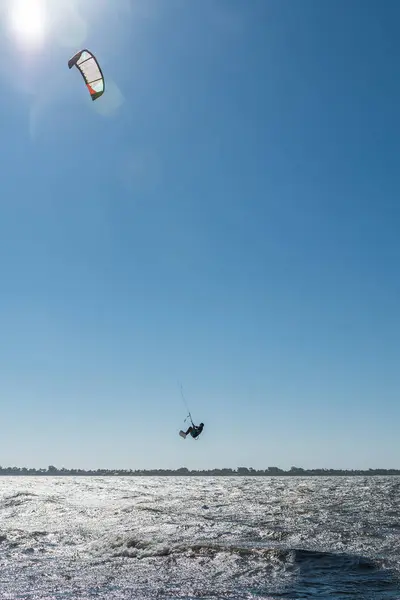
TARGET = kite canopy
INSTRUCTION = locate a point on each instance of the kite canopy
(90, 70)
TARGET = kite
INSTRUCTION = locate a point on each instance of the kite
(91, 72)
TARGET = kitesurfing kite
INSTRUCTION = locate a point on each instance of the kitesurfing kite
(91, 72)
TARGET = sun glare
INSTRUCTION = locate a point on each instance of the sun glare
(28, 21)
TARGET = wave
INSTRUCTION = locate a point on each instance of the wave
(17, 499)
(297, 570)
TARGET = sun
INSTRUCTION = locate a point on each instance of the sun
(28, 22)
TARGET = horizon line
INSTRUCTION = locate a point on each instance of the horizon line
(51, 470)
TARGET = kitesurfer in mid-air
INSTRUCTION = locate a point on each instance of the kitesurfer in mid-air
(194, 430)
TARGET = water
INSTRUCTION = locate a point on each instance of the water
(169, 537)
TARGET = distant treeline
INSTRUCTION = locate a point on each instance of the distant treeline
(183, 471)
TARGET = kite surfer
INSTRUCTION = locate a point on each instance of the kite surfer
(194, 430)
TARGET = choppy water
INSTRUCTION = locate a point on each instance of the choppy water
(236, 538)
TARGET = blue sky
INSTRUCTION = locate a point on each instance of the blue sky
(225, 216)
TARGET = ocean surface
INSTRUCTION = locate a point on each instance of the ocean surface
(193, 537)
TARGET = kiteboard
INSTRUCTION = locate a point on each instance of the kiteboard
(182, 434)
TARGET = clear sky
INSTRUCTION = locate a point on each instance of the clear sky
(226, 215)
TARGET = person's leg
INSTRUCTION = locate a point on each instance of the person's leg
(189, 430)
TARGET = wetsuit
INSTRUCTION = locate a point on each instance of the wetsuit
(195, 430)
